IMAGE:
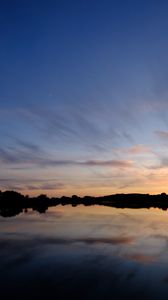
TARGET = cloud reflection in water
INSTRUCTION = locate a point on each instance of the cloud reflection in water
(84, 253)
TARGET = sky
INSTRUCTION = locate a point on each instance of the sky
(84, 96)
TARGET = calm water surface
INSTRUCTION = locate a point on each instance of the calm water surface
(83, 252)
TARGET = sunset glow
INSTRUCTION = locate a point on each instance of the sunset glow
(83, 97)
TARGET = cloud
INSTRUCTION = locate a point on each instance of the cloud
(24, 157)
(33, 184)
(162, 163)
(17, 156)
(109, 163)
(28, 145)
(162, 134)
(93, 127)
(90, 240)
(118, 240)
(7, 157)
(45, 186)
(52, 186)
(52, 265)
(138, 149)
(68, 125)
(143, 258)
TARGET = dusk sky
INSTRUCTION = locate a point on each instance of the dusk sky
(84, 96)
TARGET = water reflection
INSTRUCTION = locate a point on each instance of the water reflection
(85, 253)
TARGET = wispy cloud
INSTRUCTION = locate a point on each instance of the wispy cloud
(33, 184)
(108, 163)
(143, 258)
(136, 149)
(162, 134)
(89, 126)
(27, 145)
(119, 240)
(29, 158)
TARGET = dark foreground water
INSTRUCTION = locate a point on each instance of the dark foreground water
(83, 252)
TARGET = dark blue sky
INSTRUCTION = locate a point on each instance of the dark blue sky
(83, 96)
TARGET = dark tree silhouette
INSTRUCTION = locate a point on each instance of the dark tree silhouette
(12, 202)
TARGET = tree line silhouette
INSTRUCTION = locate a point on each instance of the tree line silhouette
(13, 203)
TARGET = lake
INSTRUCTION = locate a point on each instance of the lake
(85, 252)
